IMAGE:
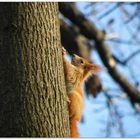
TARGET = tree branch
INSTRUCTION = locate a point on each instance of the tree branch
(123, 62)
(117, 5)
(89, 30)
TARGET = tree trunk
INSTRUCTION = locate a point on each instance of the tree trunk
(32, 87)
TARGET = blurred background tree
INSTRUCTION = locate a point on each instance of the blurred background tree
(108, 34)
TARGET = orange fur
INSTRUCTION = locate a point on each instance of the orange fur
(73, 128)
(75, 73)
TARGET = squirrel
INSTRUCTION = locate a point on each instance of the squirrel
(76, 73)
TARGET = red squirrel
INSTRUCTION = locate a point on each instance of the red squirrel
(76, 73)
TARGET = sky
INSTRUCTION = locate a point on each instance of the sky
(94, 120)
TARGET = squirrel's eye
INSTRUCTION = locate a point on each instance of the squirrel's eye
(81, 62)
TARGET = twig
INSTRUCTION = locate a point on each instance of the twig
(110, 10)
(124, 62)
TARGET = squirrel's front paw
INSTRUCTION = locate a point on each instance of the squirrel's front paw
(68, 100)
(63, 51)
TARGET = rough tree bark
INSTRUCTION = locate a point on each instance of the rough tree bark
(32, 88)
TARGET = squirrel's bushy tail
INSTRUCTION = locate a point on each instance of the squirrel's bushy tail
(73, 128)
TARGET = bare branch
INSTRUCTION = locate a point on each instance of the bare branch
(91, 32)
(117, 5)
(126, 42)
(114, 116)
(127, 59)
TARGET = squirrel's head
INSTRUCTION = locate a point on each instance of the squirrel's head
(86, 67)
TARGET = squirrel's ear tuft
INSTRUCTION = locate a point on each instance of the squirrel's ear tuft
(94, 68)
